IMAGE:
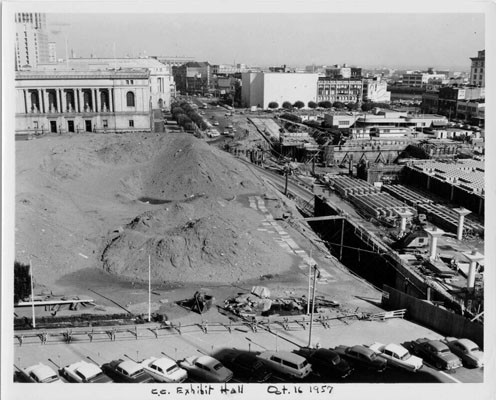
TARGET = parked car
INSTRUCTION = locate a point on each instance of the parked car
(436, 352)
(164, 370)
(467, 350)
(361, 356)
(247, 368)
(84, 372)
(216, 123)
(40, 373)
(325, 362)
(206, 369)
(126, 372)
(397, 356)
(286, 363)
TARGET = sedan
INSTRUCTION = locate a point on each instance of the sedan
(247, 368)
(397, 356)
(436, 352)
(40, 373)
(164, 370)
(325, 362)
(206, 369)
(467, 350)
(84, 372)
(126, 372)
(362, 356)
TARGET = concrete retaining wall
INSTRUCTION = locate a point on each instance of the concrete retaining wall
(442, 321)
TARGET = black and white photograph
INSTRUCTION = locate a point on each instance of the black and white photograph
(228, 200)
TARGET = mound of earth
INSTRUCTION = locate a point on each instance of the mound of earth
(71, 191)
(188, 166)
(202, 240)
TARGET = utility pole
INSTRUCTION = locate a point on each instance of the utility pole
(286, 181)
(149, 290)
(342, 239)
(313, 305)
(32, 292)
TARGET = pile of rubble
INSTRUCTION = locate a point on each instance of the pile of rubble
(258, 303)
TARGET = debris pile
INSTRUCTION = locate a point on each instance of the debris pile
(258, 303)
(200, 303)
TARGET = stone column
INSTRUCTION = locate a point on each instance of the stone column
(25, 100)
(59, 100)
(81, 100)
(111, 99)
(93, 100)
(28, 101)
(45, 101)
(40, 101)
(63, 103)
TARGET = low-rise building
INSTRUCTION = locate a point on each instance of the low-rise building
(193, 77)
(449, 98)
(341, 120)
(261, 88)
(421, 79)
(82, 101)
(342, 90)
(472, 111)
(375, 90)
(343, 72)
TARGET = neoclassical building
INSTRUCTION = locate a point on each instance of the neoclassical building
(83, 101)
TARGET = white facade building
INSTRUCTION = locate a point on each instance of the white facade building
(161, 84)
(82, 101)
(261, 88)
(375, 90)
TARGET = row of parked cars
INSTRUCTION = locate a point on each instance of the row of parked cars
(447, 354)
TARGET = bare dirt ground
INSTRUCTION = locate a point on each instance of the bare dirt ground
(79, 215)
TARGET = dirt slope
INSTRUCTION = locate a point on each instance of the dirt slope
(77, 207)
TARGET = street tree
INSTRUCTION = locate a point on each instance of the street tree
(299, 104)
(273, 105)
(287, 105)
(312, 104)
(325, 104)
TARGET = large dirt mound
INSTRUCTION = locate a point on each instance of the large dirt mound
(202, 240)
(71, 191)
(188, 166)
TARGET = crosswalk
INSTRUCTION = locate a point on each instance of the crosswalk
(284, 240)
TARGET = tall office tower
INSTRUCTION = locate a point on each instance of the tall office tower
(31, 45)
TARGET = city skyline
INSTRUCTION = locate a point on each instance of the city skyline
(390, 40)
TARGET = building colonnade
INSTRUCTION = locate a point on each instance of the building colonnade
(77, 100)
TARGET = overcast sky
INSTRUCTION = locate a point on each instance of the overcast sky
(395, 40)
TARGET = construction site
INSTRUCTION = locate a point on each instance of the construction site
(268, 239)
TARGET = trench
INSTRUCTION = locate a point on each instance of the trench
(355, 254)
